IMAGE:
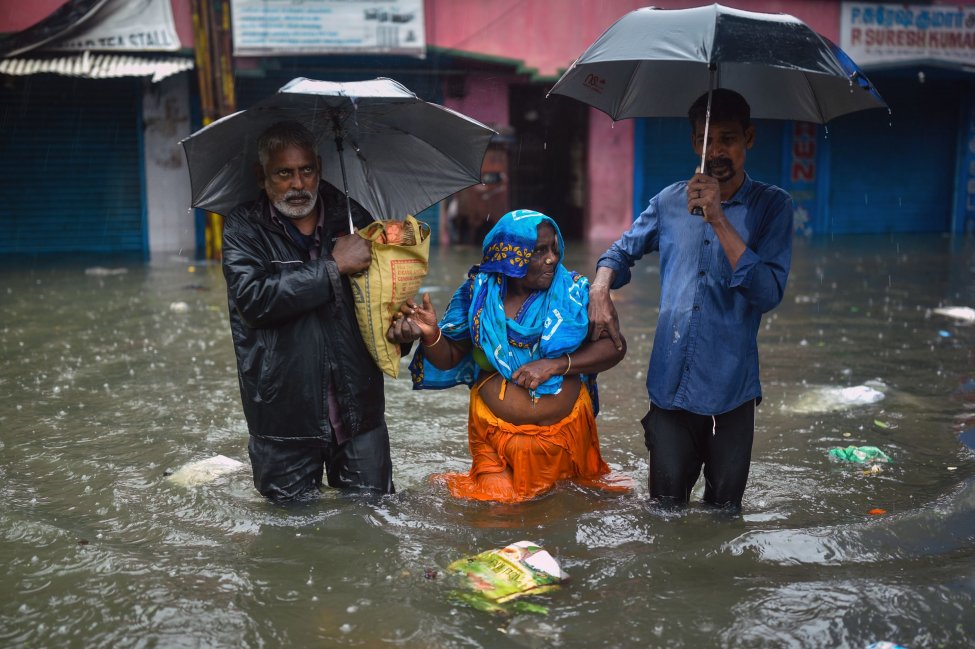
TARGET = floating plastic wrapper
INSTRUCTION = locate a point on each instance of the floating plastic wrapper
(202, 472)
(859, 454)
(496, 577)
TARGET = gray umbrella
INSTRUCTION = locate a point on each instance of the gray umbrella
(392, 152)
(655, 63)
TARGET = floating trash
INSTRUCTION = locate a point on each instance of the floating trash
(496, 577)
(877, 511)
(858, 454)
(100, 271)
(964, 313)
(965, 388)
(826, 398)
(179, 307)
(203, 471)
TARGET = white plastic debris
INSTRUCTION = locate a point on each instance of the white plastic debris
(828, 398)
(179, 307)
(203, 471)
(100, 271)
(963, 313)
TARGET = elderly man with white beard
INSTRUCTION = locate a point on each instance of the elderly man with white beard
(312, 395)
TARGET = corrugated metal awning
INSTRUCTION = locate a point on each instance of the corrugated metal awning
(98, 66)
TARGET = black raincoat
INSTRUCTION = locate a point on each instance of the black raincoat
(294, 329)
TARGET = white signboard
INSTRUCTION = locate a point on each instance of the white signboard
(126, 26)
(885, 33)
(289, 27)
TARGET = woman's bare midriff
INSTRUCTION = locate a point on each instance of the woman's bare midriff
(517, 407)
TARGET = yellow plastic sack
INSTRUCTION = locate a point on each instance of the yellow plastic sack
(400, 252)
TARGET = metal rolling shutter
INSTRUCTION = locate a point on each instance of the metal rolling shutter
(896, 174)
(71, 163)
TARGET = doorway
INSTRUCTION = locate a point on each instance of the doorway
(548, 158)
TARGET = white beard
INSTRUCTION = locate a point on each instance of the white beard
(296, 211)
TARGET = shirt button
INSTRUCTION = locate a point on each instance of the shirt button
(697, 308)
(700, 273)
(707, 242)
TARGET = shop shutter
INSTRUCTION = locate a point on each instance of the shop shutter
(896, 173)
(71, 163)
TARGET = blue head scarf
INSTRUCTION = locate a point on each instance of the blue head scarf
(509, 244)
(549, 324)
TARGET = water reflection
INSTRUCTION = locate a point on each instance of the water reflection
(108, 387)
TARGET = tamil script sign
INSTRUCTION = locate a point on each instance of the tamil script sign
(290, 27)
(885, 33)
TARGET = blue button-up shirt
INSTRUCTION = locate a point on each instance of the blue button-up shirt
(705, 349)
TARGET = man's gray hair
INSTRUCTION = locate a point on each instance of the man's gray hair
(284, 134)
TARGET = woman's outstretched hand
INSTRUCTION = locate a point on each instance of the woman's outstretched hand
(415, 319)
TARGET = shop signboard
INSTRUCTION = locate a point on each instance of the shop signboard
(303, 27)
(887, 33)
(125, 26)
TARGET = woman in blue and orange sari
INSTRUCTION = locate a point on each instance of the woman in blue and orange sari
(516, 333)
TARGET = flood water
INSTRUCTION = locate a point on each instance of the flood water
(107, 387)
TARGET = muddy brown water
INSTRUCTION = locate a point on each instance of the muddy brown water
(107, 387)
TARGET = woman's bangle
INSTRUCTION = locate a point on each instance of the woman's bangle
(439, 336)
(569, 366)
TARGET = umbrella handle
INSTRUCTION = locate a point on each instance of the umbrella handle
(345, 181)
(697, 210)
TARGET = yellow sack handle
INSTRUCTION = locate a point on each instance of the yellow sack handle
(400, 256)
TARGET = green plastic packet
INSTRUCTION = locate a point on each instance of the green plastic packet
(496, 577)
(859, 454)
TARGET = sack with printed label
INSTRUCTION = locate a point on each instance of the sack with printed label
(496, 577)
(400, 255)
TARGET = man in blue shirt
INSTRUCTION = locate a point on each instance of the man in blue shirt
(719, 273)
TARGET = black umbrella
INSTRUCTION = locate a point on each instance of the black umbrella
(655, 63)
(392, 152)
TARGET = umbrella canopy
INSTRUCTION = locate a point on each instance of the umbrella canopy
(392, 152)
(655, 63)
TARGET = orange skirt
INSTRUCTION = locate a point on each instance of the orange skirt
(512, 463)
